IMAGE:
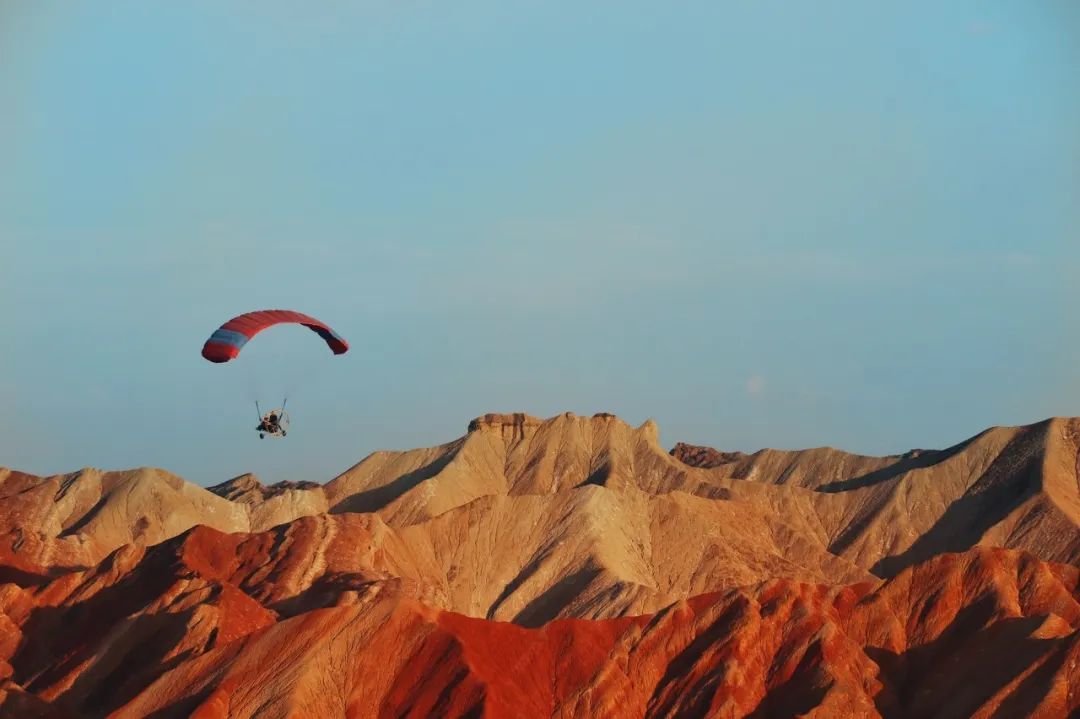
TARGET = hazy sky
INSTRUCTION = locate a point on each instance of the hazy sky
(759, 223)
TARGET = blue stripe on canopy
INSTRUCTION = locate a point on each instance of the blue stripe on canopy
(229, 337)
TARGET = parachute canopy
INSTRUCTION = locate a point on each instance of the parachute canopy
(227, 341)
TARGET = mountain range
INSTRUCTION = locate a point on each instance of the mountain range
(561, 567)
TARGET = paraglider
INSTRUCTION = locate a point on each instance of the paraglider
(274, 423)
(225, 343)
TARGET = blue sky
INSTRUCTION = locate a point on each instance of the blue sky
(758, 224)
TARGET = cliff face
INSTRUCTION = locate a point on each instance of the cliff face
(638, 582)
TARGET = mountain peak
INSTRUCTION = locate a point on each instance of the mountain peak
(704, 457)
(247, 487)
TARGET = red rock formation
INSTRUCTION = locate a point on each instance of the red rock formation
(958, 636)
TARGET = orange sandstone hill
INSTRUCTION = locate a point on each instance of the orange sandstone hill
(566, 567)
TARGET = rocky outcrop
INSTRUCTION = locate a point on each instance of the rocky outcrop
(703, 457)
(248, 489)
(491, 420)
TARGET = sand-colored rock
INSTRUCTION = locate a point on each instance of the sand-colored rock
(279, 503)
(1013, 487)
(76, 519)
